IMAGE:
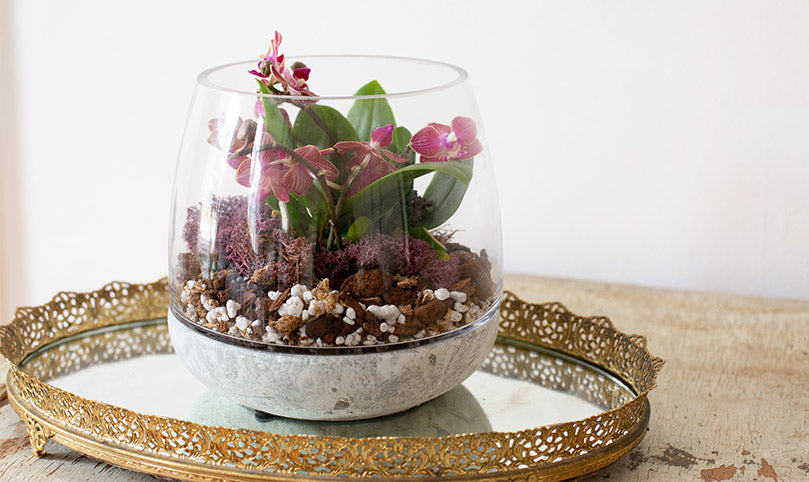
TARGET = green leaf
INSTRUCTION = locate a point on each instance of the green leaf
(401, 139)
(368, 114)
(322, 126)
(307, 214)
(445, 192)
(359, 228)
(274, 121)
(379, 197)
(424, 235)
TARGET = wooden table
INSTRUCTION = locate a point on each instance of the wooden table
(732, 402)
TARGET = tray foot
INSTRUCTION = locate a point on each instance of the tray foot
(38, 435)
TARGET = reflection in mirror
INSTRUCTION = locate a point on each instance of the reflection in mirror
(520, 386)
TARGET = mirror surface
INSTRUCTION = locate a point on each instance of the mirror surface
(520, 386)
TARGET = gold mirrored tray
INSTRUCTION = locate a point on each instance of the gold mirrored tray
(559, 396)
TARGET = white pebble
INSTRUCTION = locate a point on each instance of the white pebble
(350, 313)
(454, 316)
(348, 321)
(401, 319)
(206, 303)
(386, 312)
(217, 314)
(273, 295)
(232, 308)
(339, 340)
(307, 296)
(233, 330)
(184, 296)
(317, 308)
(272, 334)
(338, 309)
(353, 339)
(441, 294)
(305, 315)
(298, 290)
(363, 306)
(293, 307)
(190, 284)
(460, 307)
(419, 335)
(383, 327)
(256, 323)
(458, 296)
(242, 323)
(393, 338)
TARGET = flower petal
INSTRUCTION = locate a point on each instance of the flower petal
(382, 136)
(351, 146)
(243, 171)
(301, 73)
(315, 157)
(374, 170)
(236, 161)
(297, 180)
(393, 157)
(464, 129)
(273, 180)
(432, 159)
(467, 152)
(428, 141)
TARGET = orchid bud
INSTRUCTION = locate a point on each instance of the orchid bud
(247, 130)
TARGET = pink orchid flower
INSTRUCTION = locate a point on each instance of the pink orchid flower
(373, 160)
(280, 173)
(439, 142)
(274, 74)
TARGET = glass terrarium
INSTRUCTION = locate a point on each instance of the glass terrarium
(332, 206)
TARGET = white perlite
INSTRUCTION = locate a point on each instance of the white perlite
(441, 294)
(385, 312)
(300, 303)
(298, 290)
(232, 308)
(458, 296)
(292, 306)
(242, 323)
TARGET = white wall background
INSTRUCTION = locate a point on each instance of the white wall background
(655, 143)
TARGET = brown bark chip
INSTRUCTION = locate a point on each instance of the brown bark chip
(219, 280)
(322, 290)
(276, 303)
(365, 283)
(464, 286)
(432, 311)
(324, 325)
(408, 329)
(264, 276)
(287, 324)
(187, 267)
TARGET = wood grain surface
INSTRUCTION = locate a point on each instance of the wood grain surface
(732, 401)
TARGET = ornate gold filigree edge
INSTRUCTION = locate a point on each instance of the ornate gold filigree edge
(630, 409)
